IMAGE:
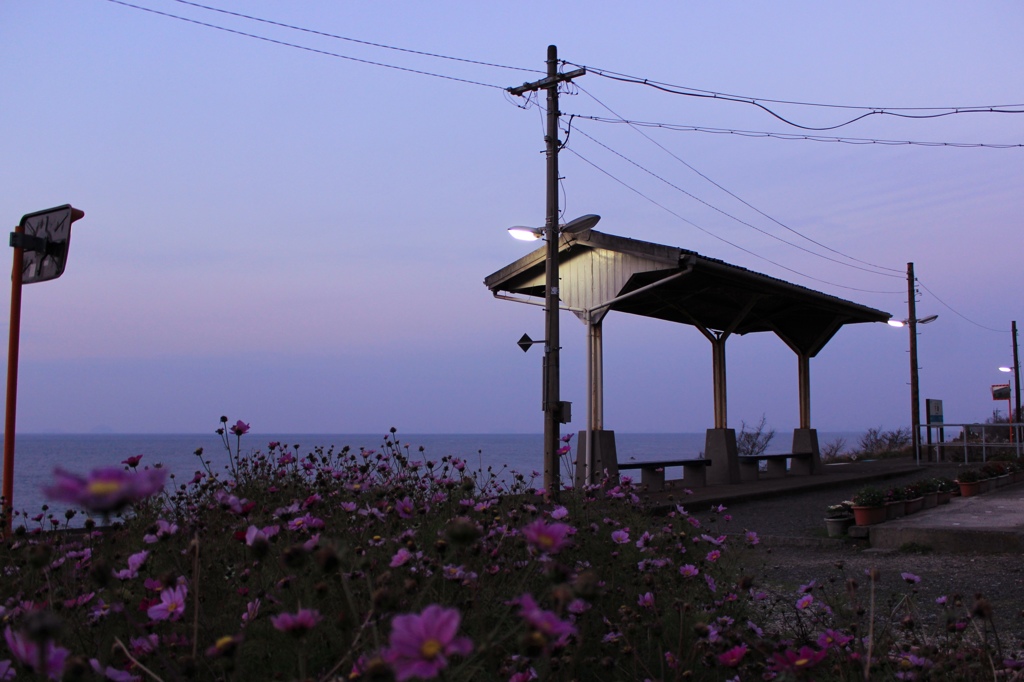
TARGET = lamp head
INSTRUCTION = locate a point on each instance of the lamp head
(926, 320)
(581, 224)
(896, 323)
(1006, 369)
(526, 234)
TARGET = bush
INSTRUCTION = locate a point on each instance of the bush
(869, 496)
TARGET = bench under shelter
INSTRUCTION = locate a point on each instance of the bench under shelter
(600, 273)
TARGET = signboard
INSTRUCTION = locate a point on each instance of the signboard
(934, 408)
(44, 238)
(1000, 391)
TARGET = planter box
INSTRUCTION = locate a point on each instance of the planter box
(837, 527)
(931, 500)
(970, 489)
(895, 510)
(913, 506)
(869, 516)
(945, 497)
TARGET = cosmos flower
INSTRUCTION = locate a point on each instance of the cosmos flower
(298, 623)
(27, 651)
(171, 605)
(105, 490)
(547, 537)
(239, 428)
(733, 656)
(421, 644)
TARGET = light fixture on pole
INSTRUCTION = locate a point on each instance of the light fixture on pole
(912, 321)
(555, 410)
(552, 404)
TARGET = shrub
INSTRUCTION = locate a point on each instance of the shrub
(968, 476)
(869, 496)
(754, 441)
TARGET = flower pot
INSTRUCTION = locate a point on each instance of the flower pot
(895, 510)
(969, 489)
(913, 506)
(837, 527)
(986, 486)
(931, 499)
(944, 496)
(868, 516)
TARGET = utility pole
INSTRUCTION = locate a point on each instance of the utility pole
(1016, 381)
(551, 399)
(915, 402)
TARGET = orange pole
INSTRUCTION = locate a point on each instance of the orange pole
(12, 386)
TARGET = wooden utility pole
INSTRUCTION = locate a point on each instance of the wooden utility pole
(551, 398)
(915, 400)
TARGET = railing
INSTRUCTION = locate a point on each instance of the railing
(974, 437)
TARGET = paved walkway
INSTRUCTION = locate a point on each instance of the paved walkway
(990, 522)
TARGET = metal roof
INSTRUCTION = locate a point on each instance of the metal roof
(602, 272)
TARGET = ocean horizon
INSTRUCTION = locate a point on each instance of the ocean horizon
(37, 455)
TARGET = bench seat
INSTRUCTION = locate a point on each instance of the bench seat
(776, 465)
(652, 474)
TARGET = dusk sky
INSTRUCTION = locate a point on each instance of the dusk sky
(281, 228)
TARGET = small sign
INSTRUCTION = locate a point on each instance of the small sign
(44, 239)
(1000, 391)
(934, 408)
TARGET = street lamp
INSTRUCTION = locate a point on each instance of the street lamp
(555, 412)
(912, 321)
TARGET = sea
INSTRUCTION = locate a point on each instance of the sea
(37, 455)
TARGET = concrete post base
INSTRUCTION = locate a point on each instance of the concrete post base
(605, 458)
(806, 440)
(720, 448)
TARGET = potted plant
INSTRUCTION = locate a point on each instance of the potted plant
(969, 481)
(894, 507)
(838, 518)
(869, 506)
(930, 492)
(947, 488)
(913, 500)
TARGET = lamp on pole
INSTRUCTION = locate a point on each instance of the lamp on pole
(555, 411)
(912, 321)
(553, 415)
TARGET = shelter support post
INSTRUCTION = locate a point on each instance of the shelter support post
(718, 370)
(595, 447)
(805, 439)
(720, 448)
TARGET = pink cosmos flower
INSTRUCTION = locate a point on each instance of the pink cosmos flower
(135, 562)
(298, 623)
(105, 490)
(733, 656)
(548, 538)
(27, 652)
(239, 428)
(910, 578)
(132, 461)
(688, 570)
(835, 638)
(171, 605)
(404, 508)
(545, 622)
(420, 644)
(646, 600)
(559, 513)
(804, 601)
(620, 537)
(795, 661)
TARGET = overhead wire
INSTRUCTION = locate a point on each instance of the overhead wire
(747, 204)
(306, 48)
(899, 112)
(712, 234)
(957, 312)
(796, 136)
(354, 40)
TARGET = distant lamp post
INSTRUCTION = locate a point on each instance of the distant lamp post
(555, 411)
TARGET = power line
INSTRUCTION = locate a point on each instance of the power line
(304, 47)
(712, 234)
(796, 136)
(958, 313)
(744, 202)
(729, 215)
(899, 112)
(354, 40)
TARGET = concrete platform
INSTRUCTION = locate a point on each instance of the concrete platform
(992, 522)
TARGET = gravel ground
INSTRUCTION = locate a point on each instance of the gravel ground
(795, 550)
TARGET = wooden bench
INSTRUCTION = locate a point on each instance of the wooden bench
(750, 465)
(652, 474)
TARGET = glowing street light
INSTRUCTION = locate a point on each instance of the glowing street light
(555, 411)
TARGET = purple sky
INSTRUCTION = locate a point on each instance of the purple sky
(299, 240)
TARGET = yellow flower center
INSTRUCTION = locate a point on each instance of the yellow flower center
(224, 641)
(430, 648)
(103, 487)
